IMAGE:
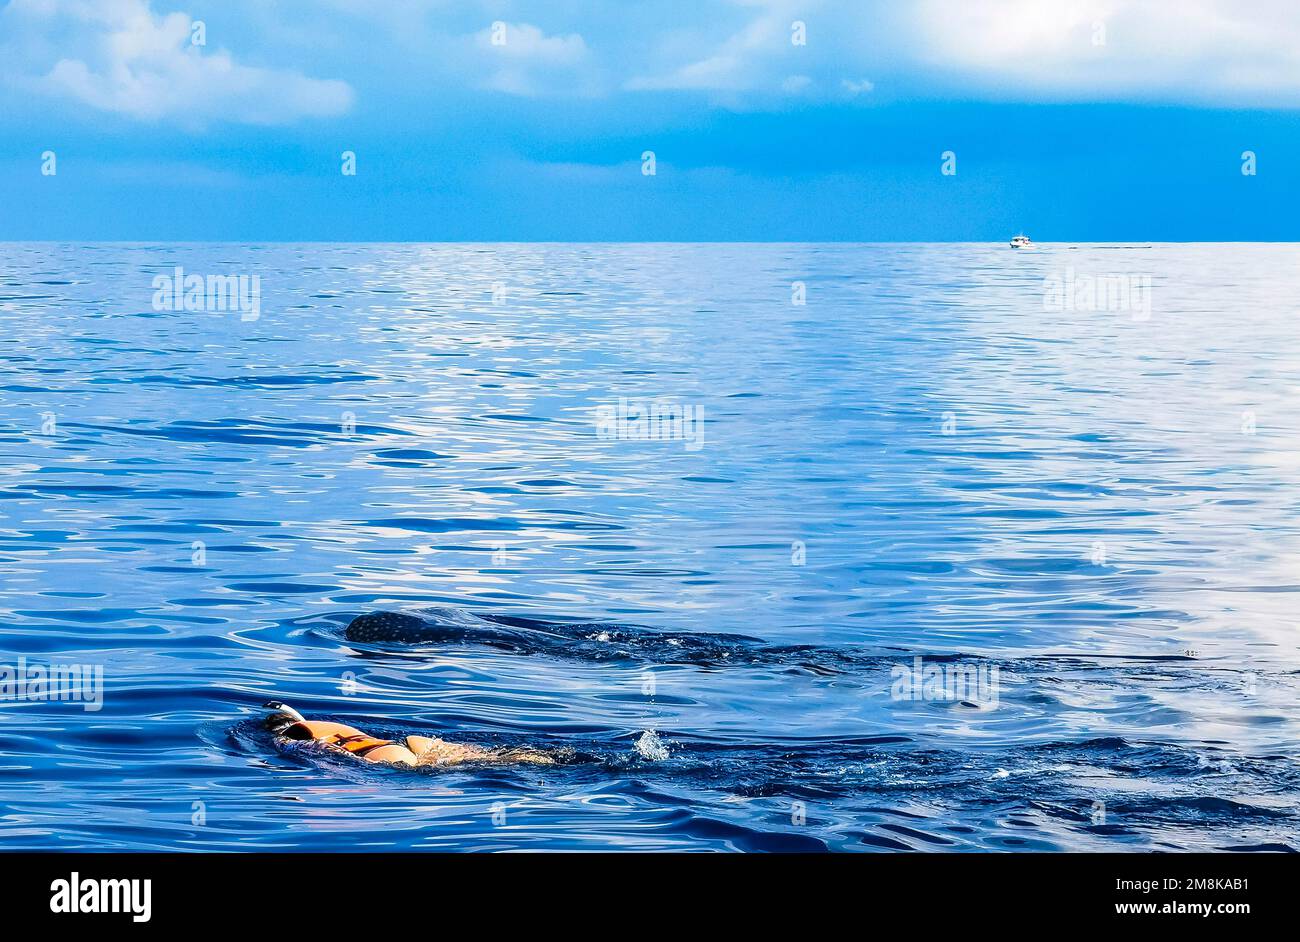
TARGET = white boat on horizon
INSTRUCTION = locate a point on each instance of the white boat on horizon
(1021, 242)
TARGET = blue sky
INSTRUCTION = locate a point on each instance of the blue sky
(1075, 120)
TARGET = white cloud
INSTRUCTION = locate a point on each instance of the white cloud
(1193, 50)
(741, 63)
(119, 56)
(520, 59)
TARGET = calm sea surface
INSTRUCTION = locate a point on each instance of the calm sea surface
(1073, 472)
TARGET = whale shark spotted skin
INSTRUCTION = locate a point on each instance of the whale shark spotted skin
(427, 626)
(599, 641)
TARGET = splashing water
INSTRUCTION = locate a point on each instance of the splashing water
(650, 746)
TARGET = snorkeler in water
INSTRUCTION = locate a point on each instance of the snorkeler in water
(286, 723)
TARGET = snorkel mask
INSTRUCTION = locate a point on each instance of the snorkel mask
(282, 717)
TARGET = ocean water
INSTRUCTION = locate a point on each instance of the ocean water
(1070, 472)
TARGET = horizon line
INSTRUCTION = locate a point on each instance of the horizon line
(1127, 243)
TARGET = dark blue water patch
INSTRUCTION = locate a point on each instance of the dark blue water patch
(214, 602)
(37, 537)
(516, 417)
(1194, 809)
(410, 454)
(123, 492)
(88, 615)
(265, 381)
(122, 469)
(245, 431)
(279, 588)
